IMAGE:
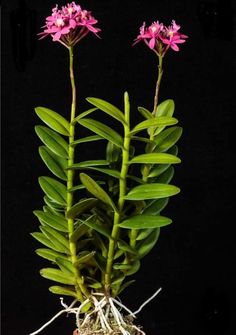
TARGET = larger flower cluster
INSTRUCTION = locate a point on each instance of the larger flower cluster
(160, 38)
(69, 24)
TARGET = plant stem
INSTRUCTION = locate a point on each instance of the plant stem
(80, 288)
(158, 83)
(122, 192)
(146, 169)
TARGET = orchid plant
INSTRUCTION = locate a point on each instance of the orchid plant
(102, 216)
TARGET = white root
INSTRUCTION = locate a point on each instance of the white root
(107, 315)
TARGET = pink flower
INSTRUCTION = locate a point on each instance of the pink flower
(69, 24)
(160, 38)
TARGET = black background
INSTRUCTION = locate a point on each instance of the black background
(194, 260)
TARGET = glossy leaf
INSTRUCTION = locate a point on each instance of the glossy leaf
(167, 138)
(143, 139)
(122, 245)
(166, 108)
(86, 257)
(53, 141)
(81, 207)
(166, 176)
(96, 190)
(102, 130)
(54, 189)
(145, 221)
(144, 233)
(48, 254)
(135, 267)
(62, 291)
(82, 115)
(121, 266)
(158, 170)
(154, 122)
(84, 164)
(145, 113)
(56, 238)
(152, 191)
(65, 265)
(58, 276)
(109, 172)
(107, 108)
(80, 231)
(156, 206)
(87, 139)
(53, 120)
(113, 153)
(145, 246)
(55, 221)
(98, 227)
(45, 241)
(55, 164)
(155, 158)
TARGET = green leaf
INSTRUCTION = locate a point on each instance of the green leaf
(102, 130)
(107, 108)
(142, 139)
(62, 291)
(144, 233)
(100, 261)
(80, 231)
(96, 190)
(113, 153)
(155, 158)
(45, 241)
(85, 257)
(167, 138)
(48, 254)
(53, 120)
(98, 227)
(56, 164)
(166, 108)
(53, 205)
(54, 189)
(65, 265)
(121, 266)
(55, 221)
(80, 116)
(87, 139)
(145, 246)
(81, 207)
(145, 221)
(85, 164)
(166, 176)
(145, 113)
(156, 206)
(158, 170)
(58, 276)
(154, 122)
(152, 191)
(56, 238)
(109, 172)
(135, 267)
(126, 247)
(53, 141)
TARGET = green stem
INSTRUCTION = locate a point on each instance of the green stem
(146, 169)
(122, 193)
(80, 288)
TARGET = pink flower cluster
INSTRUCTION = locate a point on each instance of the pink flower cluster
(69, 24)
(160, 38)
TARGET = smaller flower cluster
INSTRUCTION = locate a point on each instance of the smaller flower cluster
(69, 24)
(160, 38)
